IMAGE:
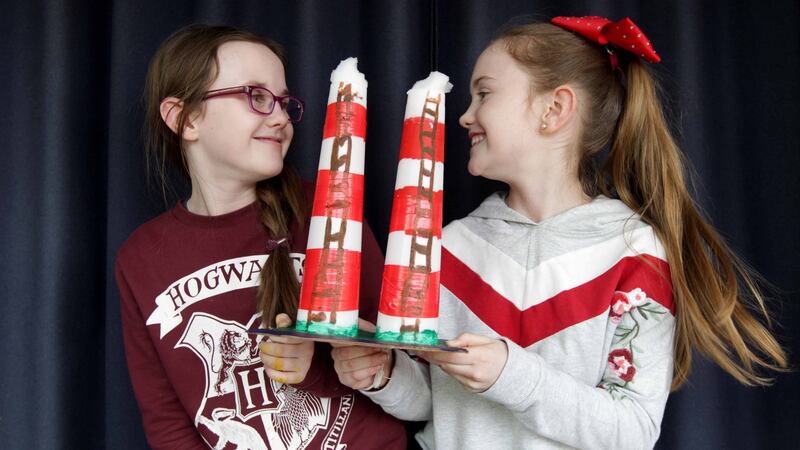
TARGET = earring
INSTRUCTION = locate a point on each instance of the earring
(544, 126)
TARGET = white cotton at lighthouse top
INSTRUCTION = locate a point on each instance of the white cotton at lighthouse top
(435, 86)
(347, 73)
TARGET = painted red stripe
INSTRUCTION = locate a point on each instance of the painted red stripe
(344, 289)
(349, 119)
(394, 279)
(404, 211)
(410, 145)
(347, 197)
(561, 311)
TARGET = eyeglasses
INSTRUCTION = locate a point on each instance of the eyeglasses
(262, 100)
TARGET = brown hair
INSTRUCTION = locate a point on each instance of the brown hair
(715, 293)
(184, 67)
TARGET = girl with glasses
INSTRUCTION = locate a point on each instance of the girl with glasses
(193, 280)
(581, 292)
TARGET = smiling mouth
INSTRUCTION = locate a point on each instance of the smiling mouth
(476, 139)
(270, 139)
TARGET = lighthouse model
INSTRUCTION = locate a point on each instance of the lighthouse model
(329, 293)
(409, 306)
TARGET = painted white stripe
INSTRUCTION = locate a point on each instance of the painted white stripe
(398, 250)
(526, 288)
(343, 318)
(393, 323)
(359, 90)
(316, 233)
(408, 174)
(416, 100)
(356, 155)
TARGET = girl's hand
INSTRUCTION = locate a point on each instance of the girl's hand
(478, 369)
(357, 366)
(286, 359)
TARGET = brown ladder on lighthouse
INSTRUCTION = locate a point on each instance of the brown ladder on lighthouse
(417, 279)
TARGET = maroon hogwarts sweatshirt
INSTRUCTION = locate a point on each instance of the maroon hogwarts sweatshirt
(188, 294)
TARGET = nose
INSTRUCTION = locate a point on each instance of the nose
(278, 117)
(468, 118)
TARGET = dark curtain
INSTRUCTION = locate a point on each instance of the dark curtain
(74, 184)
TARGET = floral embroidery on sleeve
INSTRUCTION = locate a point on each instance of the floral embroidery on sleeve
(621, 362)
(621, 359)
(623, 302)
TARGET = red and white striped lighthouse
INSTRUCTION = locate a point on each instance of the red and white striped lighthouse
(409, 307)
(329, 293)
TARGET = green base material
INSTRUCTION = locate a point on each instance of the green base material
(326, 329)
(362, 337)
(427, 337)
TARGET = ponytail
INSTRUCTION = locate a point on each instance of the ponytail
(282, 204)
(715, 293)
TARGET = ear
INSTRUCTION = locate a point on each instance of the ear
(171, 108)
(560, 110)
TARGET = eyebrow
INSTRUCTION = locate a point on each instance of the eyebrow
(479, 79)
(283, 91)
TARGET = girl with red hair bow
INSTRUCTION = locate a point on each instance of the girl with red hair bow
(581, 292)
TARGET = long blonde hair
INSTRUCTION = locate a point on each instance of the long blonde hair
(184, 67)
(715, 293)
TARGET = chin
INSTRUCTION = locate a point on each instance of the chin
(270, 163)
(270, 172)
(474, 169)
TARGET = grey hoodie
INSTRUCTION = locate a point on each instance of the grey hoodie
(583, 301)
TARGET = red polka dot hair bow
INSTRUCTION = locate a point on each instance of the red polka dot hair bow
(622, 34)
